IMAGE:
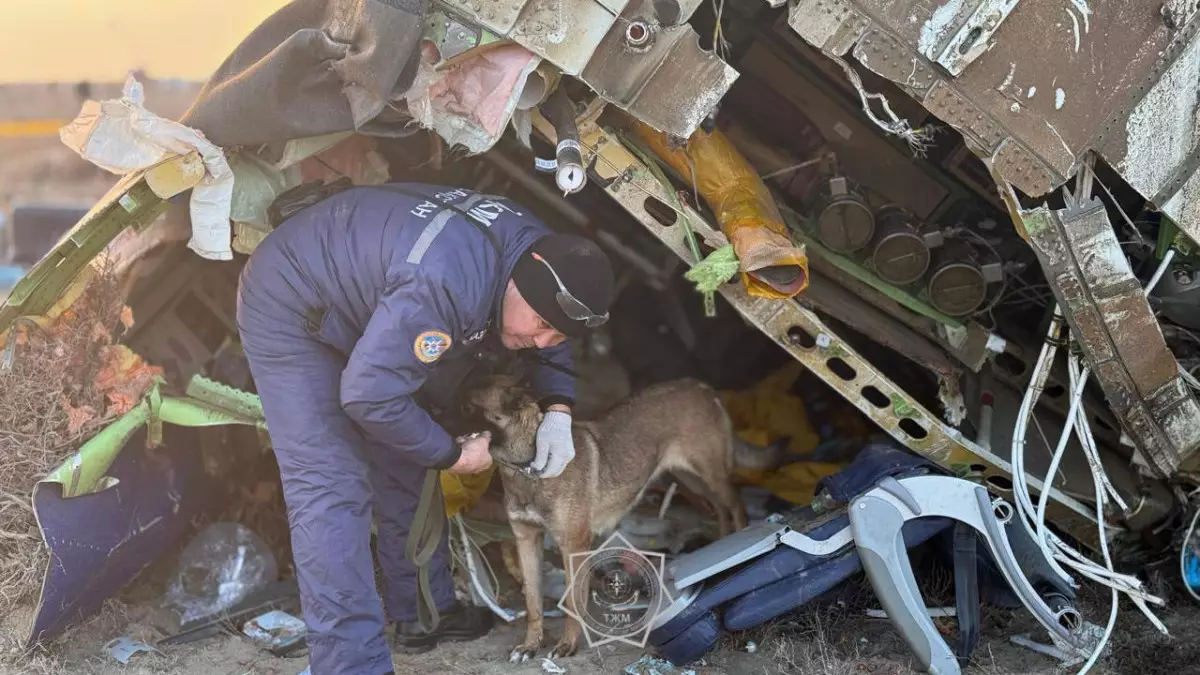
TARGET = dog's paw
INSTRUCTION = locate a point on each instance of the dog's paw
(564, 648)
(522, 654)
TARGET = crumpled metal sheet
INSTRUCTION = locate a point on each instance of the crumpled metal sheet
(664, 79)
(1034, 85)
(672, 86)
(123, 649)
(1106, 308)
(276, 631)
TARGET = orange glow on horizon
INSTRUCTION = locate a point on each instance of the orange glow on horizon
(102, 40)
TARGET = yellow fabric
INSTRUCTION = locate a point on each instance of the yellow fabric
(796, 482)
(741, 201)
(763, 414)
(462, 492)
(769, 411)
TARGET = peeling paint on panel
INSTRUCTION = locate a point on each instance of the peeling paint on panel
(1161, 131)
(1074, 26)
(1032, 91)
(1060, 140)
(1012, 70)
(1085, 12)
(1104, 263)
(1060, 97)
(829, 25)
(935, 29)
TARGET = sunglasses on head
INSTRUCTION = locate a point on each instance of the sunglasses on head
(570, 305)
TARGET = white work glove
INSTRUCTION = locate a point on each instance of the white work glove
(555, 446)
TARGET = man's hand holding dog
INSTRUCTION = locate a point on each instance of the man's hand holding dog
(555, 445)
(476, 454)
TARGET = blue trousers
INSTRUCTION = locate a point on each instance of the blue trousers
(334, 482)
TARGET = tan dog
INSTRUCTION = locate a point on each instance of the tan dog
(678, 426)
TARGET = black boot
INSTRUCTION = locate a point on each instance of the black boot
(460, 623)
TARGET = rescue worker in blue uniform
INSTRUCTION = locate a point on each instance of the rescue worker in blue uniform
(358, 316)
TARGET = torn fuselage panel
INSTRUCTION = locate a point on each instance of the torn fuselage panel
(639, 55)
(1106, 307)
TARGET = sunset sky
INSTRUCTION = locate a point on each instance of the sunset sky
(101, 40)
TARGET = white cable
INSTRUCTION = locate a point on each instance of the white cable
(1059, 452)
(1024, 504)
(1060, 550)
(1053, 548)
(918, 140)
(1092, 453)
(1162, 268)
(1112, 614)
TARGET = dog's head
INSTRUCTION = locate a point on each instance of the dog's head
(504, 406)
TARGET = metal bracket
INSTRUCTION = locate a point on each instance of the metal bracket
(974, 37)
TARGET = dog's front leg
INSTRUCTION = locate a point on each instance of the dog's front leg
(577, 539)
(529, 553)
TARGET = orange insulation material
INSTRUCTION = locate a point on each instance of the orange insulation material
(744, 208)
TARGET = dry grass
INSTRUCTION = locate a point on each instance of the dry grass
(67, 382)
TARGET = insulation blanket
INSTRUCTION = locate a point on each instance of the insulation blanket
(471, 101)
(122, 137)
(772, 266)
(314, 67)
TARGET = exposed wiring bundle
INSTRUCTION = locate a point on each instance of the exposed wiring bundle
(1060, 554)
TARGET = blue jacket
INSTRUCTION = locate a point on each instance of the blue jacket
(395, 283)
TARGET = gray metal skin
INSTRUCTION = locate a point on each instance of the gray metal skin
(876, 526)
(1039, 88)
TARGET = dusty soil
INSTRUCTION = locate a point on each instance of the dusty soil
(835, 639)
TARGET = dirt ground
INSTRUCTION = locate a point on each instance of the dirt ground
(832, 636)
(836, 639)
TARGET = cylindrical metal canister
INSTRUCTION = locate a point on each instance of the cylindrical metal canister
(899, 253)
(957, 285)
(845, 223)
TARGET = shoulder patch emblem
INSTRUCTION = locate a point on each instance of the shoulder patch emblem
(430, 346)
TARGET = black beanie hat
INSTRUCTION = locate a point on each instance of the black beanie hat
(584, 270)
